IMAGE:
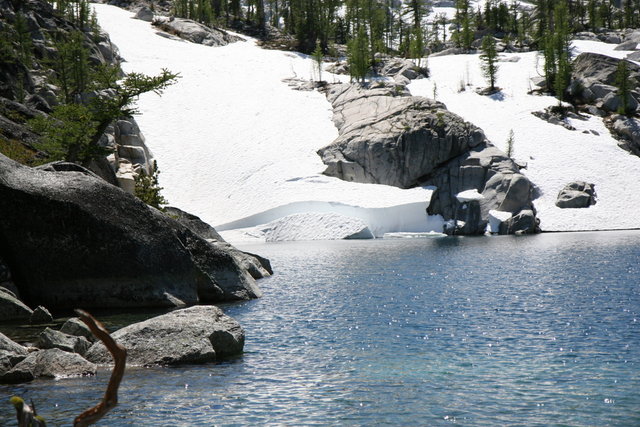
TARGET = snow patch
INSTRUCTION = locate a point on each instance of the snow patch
(315, 226)
(495, 219)
(469, 195)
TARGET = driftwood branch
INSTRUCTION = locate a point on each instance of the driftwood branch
(119, 354)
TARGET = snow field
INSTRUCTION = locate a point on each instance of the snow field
(233, 141)
(237, 147)
(554, 155)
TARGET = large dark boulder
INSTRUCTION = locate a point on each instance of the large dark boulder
(11, 307)
(73, 240)
(11, 353)
(256, 265)
(197, 334)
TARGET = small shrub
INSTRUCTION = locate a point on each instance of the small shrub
(148, 190)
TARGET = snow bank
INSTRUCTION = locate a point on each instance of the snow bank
(469, 195)
(314, 226)
(554, 155)
(233, 141)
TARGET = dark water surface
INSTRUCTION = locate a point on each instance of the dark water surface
(537, 330)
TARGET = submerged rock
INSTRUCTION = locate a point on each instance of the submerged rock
(51, 363)
(197, 334)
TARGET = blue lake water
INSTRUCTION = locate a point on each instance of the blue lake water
(532, 330)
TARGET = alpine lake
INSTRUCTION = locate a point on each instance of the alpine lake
(509, 330)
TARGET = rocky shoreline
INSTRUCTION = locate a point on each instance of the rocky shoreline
(198, 334)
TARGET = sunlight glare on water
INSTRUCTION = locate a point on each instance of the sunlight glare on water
(480, 331)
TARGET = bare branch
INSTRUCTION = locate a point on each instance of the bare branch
(119, 354)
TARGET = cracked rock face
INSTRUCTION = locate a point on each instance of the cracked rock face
(388, 137)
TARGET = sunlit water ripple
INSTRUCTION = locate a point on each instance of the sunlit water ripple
(534, 330)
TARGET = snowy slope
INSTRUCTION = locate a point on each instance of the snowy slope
(555, 156)
(233, 141)
(237, 146)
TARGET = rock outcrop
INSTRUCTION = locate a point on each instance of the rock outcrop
(388, 137)
(577, 194)
(593, 81)
(194, 335)
(72, 240)
(628, 130)
(195, 32)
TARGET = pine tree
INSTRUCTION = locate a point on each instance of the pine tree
(66, 134)
(318, 56)
(148, 188)
(71, 66)
(624, 86)
(489, 57)
(358, 55)
(510, 142)
(23, 39)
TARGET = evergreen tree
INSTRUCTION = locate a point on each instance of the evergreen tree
(624, 86)
(71, 65)
(148, 189)
(416, 45)
(489, 58)
(66, 134)
(318, 56)
(23, 39)
(556, 51)
(358, 55)
(562, 44)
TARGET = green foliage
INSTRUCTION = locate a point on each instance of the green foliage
(66, 134)
(556, 50)
(148, 190)
(71, 65)
(318, 56)
(23, 40)
(19, 152)
(489, 58)
(358, 56)
(416, 45)
(624, 85)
